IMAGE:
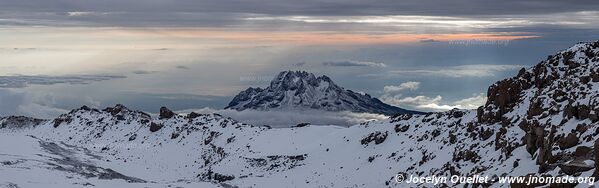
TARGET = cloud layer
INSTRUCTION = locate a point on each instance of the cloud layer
(353, 64)
(21, 81)
(411, 85)
(395, 95)
(14, 102)
(480, 70)
(218, 13)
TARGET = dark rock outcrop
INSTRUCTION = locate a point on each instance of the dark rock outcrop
(376, 137)
(569, 141)
(165, 113)
(155, 127)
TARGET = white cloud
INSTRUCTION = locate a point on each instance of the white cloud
(291, 118)
(13, 102)
(478, 70)
(92, 102)
(403, 20)
(580, 19)
(472, 102)
(354, 64)
(411, 101)
(437, 107)
(411, 85)
(425, 103)
(435, 103)
(84, 13)
(79, 13)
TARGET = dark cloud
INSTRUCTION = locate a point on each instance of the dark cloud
(206, 13)
(307, 7)
(353, 64)
(21, 81)
(183, 67)
(428, 40)
(143, 72)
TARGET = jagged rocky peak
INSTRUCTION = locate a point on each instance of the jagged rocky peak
(121, 115)
(118, 113)
(117, 109)
(301, 90)
(300, 80)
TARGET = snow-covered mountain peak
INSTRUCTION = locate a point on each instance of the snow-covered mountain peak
(298, 80)
(543, 122)
(300, 90)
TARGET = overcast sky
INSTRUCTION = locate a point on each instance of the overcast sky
(425, 55)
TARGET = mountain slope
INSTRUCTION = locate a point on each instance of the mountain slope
(542, 122)
(302, 90)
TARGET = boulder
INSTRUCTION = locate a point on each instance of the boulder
(574, 167)
(569, 111)
(116, 109)
(165, 113)
(582, 152)
(593, 117)
(155, 127)
(193, 115)
(302, 124)
(569, 141)
(583, 111)
(535, 108)
(401, 128)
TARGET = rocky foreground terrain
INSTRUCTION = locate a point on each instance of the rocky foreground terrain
(541, 122)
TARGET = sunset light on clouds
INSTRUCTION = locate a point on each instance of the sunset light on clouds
(365, 46)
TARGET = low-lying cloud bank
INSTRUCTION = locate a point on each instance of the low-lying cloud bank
(292, 118)
(21, 81)
(14, 102)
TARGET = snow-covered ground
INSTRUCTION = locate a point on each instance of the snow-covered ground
(27, 161)
(542, 122)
